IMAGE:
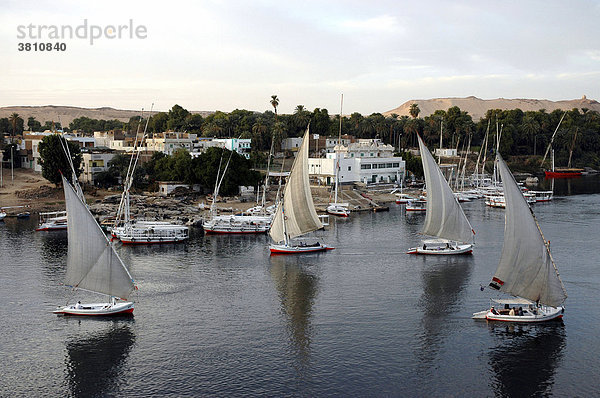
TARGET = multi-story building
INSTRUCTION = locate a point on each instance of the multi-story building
(240, 145)
(367, 161)
(94, 163)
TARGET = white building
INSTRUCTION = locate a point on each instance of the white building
(31, 142)
(291, 144)
(446, 152)
(94, 163)
(367, 161)
(240, 145)
(167, 187)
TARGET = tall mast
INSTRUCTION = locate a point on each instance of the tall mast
(572, 146)
(337, 153)
(441, 136)
(552, 139)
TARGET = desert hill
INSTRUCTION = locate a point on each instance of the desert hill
(477, 107)
(66, 114)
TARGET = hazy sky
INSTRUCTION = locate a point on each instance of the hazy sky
(223, 55)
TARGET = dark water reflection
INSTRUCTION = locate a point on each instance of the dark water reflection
(217, 316)
(95, 361)
(525, 358)
(296, 288)
(444, 279)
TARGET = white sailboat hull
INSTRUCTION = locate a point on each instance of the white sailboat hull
(451, 248)
(144, 232)
(237, 225)
(298, 249)
(339, 210)
(96, 309)
(542, 314)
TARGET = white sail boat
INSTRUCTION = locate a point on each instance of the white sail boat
(142, 232)
(445, 218)
(526, 269)
(235, 224)
(92, 263)
(335, 208)
(296, 214)
(52, 221)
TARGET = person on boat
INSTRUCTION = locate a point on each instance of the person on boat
(493, 310)
(520, 311)
(424, 246)
(78, 305)
(512, 312)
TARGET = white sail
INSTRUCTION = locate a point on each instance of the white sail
(526, 268)
(445, 217)
(92, 263)
(296, 209)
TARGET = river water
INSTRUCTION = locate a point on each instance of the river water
(218, 316)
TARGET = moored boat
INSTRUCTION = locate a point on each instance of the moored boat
(52, 221)
(416, 205)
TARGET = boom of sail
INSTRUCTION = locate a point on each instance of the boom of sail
(297, 209)
(445, 217)
(92, 263)
(526, 268)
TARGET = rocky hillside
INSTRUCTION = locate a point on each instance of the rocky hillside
(477, 107)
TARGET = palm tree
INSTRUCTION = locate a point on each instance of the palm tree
(275, 102)
(13, 119)
(299, 108)
(414, 110)
(530, 128)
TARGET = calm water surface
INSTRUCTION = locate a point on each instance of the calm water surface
(218, 316)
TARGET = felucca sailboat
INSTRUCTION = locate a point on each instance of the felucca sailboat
(92, 263)
(526, 269)
(296, 214)
(335, 208)
(445, 218)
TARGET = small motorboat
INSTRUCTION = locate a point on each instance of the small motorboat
(24, 214)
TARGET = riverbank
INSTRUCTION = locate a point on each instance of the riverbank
(36, 194)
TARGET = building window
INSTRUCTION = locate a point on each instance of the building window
(349, 168)
(396, 165)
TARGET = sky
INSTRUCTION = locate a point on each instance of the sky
(226, 55)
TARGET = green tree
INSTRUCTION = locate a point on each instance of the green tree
(275, 102)
(158, 122)
(16, 123)
(206, 166)
(33, 124)
(54, 160)
(414, 110)
(177, 117)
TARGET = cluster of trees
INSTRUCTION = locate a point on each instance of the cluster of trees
(523, 133)
(11, 125)
(89, 125)
(178, 167)
(54, 161)
(203, 169)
